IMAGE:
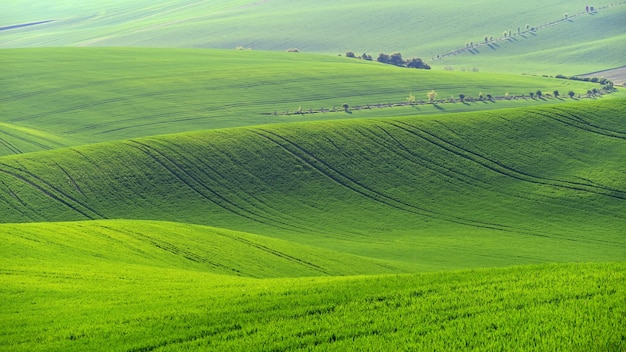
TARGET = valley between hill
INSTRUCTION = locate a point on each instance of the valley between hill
(159, 197)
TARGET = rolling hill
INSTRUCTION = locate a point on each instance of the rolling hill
(416, 29)
(431, 192)
(104, 94)
(160, 193)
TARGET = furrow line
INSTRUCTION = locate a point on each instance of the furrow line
(347, 182)
(149, 152)
(21, 210)
(272, 215)
(26, 140)
(223, 202)
(46, 192)
(504, 170)
(581, 125)
(71, 179)
(10, 146)
(277, 253)
(170, 248)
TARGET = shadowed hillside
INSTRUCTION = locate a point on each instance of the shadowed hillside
(407, 189)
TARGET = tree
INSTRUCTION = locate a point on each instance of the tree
(396, 59)
(556, 93)
(532, 95)
(462, 97)
(367, 57)
(411, 99)
(489, 97)
(384, 58)
(539, 94)
(350, 54)
(571, 94)
(416, 62)
(346, 107)
(431, 95)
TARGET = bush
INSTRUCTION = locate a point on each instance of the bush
(416, 62)
(350, 54)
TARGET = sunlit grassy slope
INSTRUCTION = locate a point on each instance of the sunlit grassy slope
(174, 246)
(71, 96)
(449, 191)
(415, 28)
(574, 307)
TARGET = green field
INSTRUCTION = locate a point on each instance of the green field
(97, 94)
(162, 191)
(585, 43)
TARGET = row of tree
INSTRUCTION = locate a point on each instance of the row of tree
(393, 59)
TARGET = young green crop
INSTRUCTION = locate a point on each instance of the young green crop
(92, 95)
(583, 43)
(138, 308)
(440, 192)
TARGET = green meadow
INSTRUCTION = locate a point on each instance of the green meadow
(95, 95)
(584, 43)
(162, 191)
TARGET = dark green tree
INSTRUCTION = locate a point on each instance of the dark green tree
(396, 59)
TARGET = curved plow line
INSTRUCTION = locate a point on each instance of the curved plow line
(51, 193)
(13, 149)
(500, 190)
(574, 122)
(71, 179)
(15, 207)
(262, 210)
(504, 170)
(28, 141)
(345, 181)
(220, 201)
(571, 116)
(170, 248)
(68, 109)
(426, 163)
(487, 186)
(276, 253)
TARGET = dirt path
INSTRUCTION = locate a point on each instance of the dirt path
(616, 75)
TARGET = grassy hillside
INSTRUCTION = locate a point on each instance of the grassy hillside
(94, 94)
(447, 191)
(416, 28)
(174, 246)
(145, 308)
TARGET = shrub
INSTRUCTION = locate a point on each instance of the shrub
(431, 95)
(384, 58)
(396, 59)
(350, 54)
(416, 62)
